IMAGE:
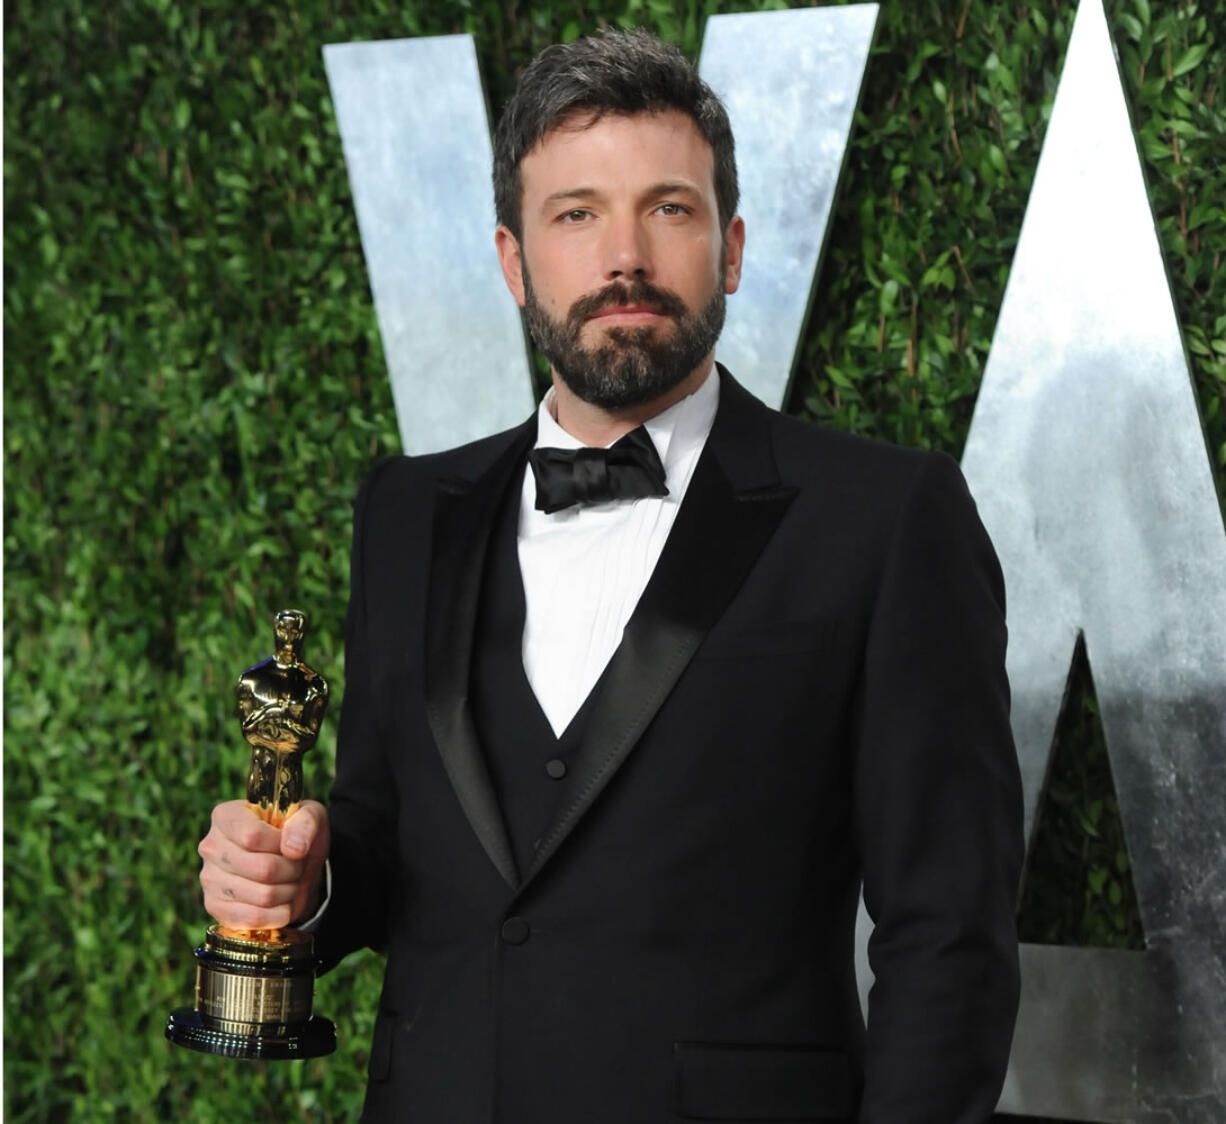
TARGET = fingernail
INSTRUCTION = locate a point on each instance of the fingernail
(296, 840)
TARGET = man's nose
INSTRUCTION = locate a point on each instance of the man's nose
(627, 252)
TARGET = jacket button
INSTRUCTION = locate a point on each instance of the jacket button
(515, 930)
(556, 769)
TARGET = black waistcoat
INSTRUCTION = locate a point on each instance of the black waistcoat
(526, 760)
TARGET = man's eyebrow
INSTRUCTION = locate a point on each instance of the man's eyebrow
(567, 195)
(671, 187)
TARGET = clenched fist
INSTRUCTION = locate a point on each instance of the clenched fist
(260, 877)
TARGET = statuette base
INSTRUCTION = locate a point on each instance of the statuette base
(253, 998)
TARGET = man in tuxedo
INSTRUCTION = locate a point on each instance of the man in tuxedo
(641, 692)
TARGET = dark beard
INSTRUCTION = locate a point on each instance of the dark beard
(635, 365)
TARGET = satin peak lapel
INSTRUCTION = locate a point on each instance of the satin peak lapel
(463, 518)
(732, 506)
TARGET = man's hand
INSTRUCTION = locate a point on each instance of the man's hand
(256, 876)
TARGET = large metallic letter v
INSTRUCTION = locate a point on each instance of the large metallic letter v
(416, 140)
(1089, 464)
(417, 145)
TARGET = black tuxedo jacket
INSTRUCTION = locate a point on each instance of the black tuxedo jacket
(810, 692)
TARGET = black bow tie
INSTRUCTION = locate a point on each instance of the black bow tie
(629, 469)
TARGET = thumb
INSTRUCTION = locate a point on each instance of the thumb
(305, 831)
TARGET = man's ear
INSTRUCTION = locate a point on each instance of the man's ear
(734, 251)
(511, 260)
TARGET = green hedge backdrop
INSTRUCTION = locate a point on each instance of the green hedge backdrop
(195, 387)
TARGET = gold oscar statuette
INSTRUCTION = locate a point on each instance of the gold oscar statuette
(254, 986)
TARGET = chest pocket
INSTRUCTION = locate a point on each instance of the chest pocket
(768, 641)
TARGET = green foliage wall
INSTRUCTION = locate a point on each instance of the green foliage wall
(195, 387)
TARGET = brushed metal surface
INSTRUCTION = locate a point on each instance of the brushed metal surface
(791, 81)
(417, 147)
(1088, 461)
(252, 1004)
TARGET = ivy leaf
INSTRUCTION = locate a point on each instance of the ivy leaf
(889, 295)
(1190, 59)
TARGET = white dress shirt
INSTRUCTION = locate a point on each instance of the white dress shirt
(585, 568)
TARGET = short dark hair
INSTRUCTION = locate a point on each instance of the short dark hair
(623, 72)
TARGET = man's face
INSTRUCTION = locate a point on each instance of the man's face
(622, 266)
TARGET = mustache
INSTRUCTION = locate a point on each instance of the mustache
(638, 292)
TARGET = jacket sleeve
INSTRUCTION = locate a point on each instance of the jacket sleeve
(361, 806)
(938, 816)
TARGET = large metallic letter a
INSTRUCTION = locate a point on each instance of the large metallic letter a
(1088, 461)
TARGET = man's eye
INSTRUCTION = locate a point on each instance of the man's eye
(577, 215)
(670, 209)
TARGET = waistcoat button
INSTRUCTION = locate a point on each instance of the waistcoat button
(515, 930)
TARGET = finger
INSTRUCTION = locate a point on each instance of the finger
(306, 832)
(241, 826)
(239, 915)
(230, 889)
(256, 866)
